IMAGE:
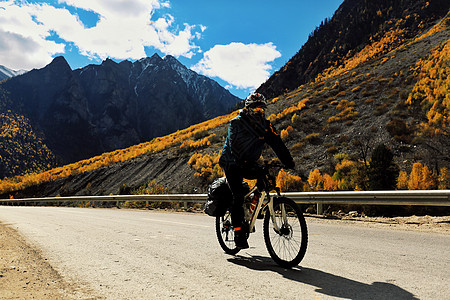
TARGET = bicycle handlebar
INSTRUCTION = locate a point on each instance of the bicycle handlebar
(273, 164)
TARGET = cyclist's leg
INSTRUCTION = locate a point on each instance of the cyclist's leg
(234, 177)
(255, 171)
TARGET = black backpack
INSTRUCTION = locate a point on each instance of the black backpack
(220, 197)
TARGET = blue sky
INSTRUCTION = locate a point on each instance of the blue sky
(237, 43)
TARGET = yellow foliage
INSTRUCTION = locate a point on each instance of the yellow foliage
(389, 41)
(315, 180)
(294, 108)
(444, 179)
(285, 132)
(421, 178)
(287, 182)
(156, 145)
(190, 144)
(329, 184)
(443, 24)
(432, 90)
(347, 111)
(402, 180)
(207, 166)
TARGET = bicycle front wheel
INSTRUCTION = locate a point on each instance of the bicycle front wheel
(286, 246)
(225, 234)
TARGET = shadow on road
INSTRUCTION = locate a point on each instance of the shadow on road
(326, 283)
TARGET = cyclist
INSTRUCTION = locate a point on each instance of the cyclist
(247, 135)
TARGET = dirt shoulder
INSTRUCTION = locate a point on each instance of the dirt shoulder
(413, 223)
(26, 274)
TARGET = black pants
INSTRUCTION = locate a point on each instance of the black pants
(235, 174)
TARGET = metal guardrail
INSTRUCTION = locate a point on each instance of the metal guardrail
(424, 197)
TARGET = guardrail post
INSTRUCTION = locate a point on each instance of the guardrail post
(319, 209)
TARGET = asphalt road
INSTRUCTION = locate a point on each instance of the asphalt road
(127, 254)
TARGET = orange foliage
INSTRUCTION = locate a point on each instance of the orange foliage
(402, 180)
(319, 182)
(207, 166)
(421, 178)
(432, 90)
(329, 184)
(315, 180)
(294, 108)
(443, 24)
(390, 41)
(190, 144)
(285, 132)
(347, 111)
(444, 179)
(156, 145)
(287, 182)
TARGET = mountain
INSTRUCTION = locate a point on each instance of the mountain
(8, 73)
(101, 108)
(355, 25)
(391, 90)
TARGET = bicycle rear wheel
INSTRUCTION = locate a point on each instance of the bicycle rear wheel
(225, 234)
(287, 247)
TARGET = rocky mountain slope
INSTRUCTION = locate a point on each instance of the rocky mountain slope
(355, 25)
(100, 108)
(381, 95)
(6, 73)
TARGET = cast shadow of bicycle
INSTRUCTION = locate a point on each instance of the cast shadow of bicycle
(326, 283)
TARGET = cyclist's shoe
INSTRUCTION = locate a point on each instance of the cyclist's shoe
(240, 239)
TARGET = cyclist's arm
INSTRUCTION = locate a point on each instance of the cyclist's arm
(275, 142)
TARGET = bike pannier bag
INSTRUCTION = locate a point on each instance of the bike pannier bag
(220, 197)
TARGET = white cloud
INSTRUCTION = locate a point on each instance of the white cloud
(23, 43)
(243, 66)
(123, 31)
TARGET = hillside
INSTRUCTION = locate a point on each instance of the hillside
(397, 96)
(354, 27)
(100, 108)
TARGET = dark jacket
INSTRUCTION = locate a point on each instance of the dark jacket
(245, 141)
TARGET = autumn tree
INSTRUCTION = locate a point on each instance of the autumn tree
(402, 180)
(349, 175)
(287, 182)
(421, 178)
(444, 179)
(319, 182)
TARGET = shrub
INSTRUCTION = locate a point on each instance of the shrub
(207, 166)
(421, 178)
(313, 138)
(402, 180)
(287, 182)
(296, 148)
(398, 129)
(383, 172)
(444, 179)
(319, 182)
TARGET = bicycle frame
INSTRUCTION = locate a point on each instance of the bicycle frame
(262, 206)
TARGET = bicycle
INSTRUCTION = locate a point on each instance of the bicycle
(284, 226)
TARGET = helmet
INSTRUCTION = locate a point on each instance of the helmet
(255, 100)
